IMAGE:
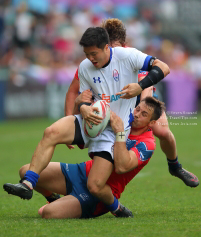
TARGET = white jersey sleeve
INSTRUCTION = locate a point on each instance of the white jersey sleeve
(131, 56)
(137, 59)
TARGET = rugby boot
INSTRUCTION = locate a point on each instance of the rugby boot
(122, 211)
(188, 178)
(53, 197)
(21, 190)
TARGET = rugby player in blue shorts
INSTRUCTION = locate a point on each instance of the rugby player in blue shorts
(117, 35)
(129, 158)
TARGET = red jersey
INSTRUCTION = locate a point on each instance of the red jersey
(143, 146)
(76, 75)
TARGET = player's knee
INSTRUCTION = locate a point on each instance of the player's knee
(23, 170)
(164, 133)
(46, 214)
(94, 187)
(50, 133)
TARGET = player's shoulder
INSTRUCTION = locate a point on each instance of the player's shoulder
(149, 140)
(121, 53)
(148, 144)
(145, 140)
(85, 64)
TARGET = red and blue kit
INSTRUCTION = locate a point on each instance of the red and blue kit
(76, 175)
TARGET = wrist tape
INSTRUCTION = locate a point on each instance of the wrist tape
(120, 137)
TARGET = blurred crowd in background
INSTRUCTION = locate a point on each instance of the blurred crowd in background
(39, 40)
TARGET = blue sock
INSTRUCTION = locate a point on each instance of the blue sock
(113, 206)
(173, 164)
(32, 177)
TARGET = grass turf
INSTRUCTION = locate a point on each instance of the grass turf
(162, 204)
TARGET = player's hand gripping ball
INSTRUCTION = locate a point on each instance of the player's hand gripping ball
(104, 112)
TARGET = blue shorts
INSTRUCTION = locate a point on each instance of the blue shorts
(76, 185)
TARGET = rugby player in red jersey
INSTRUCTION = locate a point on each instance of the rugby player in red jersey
(117, 35)
(130, 157)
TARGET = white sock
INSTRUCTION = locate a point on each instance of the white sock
(116, 209)
(28, 184)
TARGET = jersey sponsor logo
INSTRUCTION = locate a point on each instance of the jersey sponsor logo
(96, 80)
(84, 196)
(116, 75)
(108, 98)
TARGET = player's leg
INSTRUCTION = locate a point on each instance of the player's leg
(168, 146)
(98, 176)
(61, 132)
(166, 137)
(51, 181)
(65, 207)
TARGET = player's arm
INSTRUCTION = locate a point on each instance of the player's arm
(71, 96)
(157, 71)
(146, 92)
(84, 97)
(124, 160)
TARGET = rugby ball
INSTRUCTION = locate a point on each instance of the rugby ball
(104, 112)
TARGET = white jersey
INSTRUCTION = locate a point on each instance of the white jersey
(106, 82)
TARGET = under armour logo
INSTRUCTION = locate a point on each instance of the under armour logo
(95, 80)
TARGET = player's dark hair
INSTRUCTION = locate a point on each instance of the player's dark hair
(116, 30)
(157, 105)
(95, 36)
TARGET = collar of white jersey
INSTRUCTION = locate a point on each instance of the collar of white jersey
(110, 53)
(109, 60)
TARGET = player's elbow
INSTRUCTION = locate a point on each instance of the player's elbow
(120, 169)
(166, 70)
(163, 66)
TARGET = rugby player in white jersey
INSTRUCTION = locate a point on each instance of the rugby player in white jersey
(117, 35)
(106, 72)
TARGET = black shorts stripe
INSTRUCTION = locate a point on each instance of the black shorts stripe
(78, 140)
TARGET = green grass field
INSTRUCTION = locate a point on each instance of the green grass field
(162, 204)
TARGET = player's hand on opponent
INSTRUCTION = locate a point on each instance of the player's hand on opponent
(131, 90)
(88, 114)
(116, 123)
(85, 96)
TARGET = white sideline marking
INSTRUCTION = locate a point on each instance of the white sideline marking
(142, 175)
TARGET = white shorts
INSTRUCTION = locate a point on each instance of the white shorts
(104, 142)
